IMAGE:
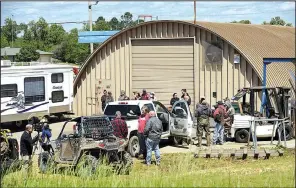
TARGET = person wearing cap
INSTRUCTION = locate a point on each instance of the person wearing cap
(123, 96)
(219, 118)
(152, 96)
(26, 145)
(145, 95)
(203, 113)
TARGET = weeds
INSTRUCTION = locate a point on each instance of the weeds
(176, 170)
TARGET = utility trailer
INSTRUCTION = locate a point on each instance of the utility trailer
(29, 93)
(276, 107)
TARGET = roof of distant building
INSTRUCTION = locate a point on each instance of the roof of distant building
(13, 51)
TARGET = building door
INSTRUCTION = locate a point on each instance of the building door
(163, 66)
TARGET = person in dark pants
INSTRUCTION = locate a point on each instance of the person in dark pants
(141, 126)
(152, 132)
(103, 100)
(26, 145)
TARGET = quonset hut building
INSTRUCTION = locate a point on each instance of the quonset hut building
(213, 60)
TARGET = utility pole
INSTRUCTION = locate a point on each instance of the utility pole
(12, 30)
(194, 12)
(90, 23)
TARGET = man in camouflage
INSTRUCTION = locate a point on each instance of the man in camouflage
(203, 113)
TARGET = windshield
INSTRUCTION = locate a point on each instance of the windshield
(126, 110)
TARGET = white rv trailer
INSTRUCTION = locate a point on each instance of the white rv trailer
(30, 92)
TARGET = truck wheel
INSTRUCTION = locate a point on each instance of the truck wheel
(133, 146)
(19, 124)
(289, 132)
(33, 120)
(241, 136)
(175, 141)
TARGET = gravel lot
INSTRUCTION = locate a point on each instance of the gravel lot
(164, 147)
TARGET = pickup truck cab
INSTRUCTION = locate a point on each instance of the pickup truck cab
(177, 125)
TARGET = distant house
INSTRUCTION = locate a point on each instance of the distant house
(11, 54)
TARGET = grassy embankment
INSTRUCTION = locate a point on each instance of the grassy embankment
(176, 170)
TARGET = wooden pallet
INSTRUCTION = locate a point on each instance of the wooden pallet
(242, 153)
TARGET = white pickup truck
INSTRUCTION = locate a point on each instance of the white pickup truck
(178, 125)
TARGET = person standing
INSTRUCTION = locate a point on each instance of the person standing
(103, 100)
(203, 113)
(109, 98)
(174, 99)
(152, 132)
(186, 96)
(219, 117)
(26, 145)
(120, 128)
(123, 96)
(145, 95)
(141, 126)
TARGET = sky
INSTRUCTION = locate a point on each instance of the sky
(215, 11)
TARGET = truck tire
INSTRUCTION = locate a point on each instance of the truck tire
(133, 145)
(289, 132)
(241, 136)
(175, 141)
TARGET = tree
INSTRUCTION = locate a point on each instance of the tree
(5, 57)
(114, 24)
(126, 20)
(4, 42)
(56, 34)
(27, 54)
(242, 22)
(277, 21)
(10, 30)
(101, 24)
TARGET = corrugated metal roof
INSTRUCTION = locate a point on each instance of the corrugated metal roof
(44, 53)
(254, 42)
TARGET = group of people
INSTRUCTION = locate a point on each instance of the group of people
(149, 133)
(185, 96)
(223, 116)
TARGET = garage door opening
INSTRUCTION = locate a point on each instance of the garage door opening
(163, 66)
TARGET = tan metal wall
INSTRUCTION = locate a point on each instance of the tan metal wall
(113, 64)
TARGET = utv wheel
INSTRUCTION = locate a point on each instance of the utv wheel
(126, 161)
(241, 136)
(133, 146)
(175, 141)
(86, 166)
(45, 162)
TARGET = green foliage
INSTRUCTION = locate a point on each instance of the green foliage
(27, 54)
(10, 30)
(4, 42)
(5, 57)
(242, 22)
(277, 21)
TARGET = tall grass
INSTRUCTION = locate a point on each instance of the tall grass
(176, 170)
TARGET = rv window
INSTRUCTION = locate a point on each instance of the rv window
(57, 96)
(57, 78)
(34, 89)
(8, 90)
